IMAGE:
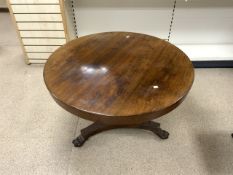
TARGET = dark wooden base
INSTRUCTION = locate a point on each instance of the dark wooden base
(98, 127)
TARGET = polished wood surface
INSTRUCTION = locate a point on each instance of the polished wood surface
(118, 77)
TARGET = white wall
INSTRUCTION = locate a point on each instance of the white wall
(202, 28)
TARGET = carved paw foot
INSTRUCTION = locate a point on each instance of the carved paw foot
(79, 141)
(162, 134)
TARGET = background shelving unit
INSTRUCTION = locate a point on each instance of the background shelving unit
(202, 29)
(42, 26)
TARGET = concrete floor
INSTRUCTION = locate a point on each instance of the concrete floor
(36, 134)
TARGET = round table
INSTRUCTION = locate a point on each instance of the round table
(118, 79)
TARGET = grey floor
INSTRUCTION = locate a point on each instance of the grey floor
(36, 134)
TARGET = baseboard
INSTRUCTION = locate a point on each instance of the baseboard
(213, 64)
(4, 9)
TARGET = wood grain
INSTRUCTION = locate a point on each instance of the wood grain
(118, 77)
